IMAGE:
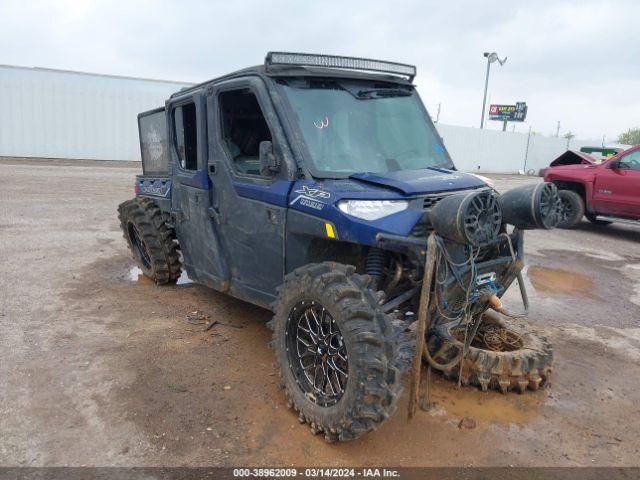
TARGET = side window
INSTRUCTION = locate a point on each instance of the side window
(243, 127)
(631, 161)
(186, 135)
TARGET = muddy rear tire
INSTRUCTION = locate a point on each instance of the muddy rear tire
(526, 367)
(361, 344)
(571, 209)
(151, 240)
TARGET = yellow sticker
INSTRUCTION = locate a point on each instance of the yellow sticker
(330, 232)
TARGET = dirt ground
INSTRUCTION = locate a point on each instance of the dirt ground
(99, 367)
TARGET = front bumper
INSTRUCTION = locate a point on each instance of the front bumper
(493, 262)
(494, 271)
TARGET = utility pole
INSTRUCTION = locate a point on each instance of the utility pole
(558, 129)
(438, 113)
(526, 152)
(491, 57)
(486, 86)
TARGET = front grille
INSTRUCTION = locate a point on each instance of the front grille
(431, 200)
(423, 227)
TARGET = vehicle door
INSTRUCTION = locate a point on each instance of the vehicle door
(249, 205)
(198, 235)
(617, 186)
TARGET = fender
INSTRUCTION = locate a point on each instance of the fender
(564, 178)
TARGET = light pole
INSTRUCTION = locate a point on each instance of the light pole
(491, 57)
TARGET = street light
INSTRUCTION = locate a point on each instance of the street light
(491, 57)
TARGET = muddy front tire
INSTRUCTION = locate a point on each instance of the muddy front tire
(336, 350)
(152, 242)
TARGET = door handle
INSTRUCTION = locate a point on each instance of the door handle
(272, 215)
(216, 215)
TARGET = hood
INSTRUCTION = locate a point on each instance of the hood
(573, 157)
(414, 182)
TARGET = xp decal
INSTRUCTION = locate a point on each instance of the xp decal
(308, 197)
(313, 192)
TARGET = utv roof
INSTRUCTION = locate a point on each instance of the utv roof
(311, 65)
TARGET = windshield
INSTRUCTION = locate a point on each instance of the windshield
(363, 126)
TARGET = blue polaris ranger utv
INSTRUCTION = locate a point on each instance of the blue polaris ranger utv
(309, 185)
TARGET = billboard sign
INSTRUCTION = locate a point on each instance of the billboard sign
(509, 113)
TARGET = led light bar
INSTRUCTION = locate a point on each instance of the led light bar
(333, 61)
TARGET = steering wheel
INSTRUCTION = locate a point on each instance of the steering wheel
(632, 163)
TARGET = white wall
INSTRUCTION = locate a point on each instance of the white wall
(59, 114)
(495, 151)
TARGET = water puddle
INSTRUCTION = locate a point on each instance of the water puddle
(555, 280)
(487, 408)
(136, 275)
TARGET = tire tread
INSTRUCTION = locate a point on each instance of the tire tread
(376, 377)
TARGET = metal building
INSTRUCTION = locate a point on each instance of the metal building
(63, 114)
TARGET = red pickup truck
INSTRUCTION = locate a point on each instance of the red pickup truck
(604, 193)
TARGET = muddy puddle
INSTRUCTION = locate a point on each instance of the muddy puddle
(556, 280)
(485, 408)
(136, 275)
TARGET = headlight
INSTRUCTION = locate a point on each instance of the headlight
(372, 209)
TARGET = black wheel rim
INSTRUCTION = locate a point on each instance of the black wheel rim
(482, 219)
(139, 248)
(550, 205)
(565, 209)
(317, 353)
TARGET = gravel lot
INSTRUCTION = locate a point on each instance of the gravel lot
(99, 367)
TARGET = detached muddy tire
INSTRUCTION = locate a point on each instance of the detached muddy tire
(336, 351)
(571, 209)
(523, 360)
(151, 240)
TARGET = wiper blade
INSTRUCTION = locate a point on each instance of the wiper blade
(383, 93)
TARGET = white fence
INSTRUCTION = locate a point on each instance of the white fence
(58, 114)
(495, 151)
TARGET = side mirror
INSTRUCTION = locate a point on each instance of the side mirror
(614, 164)
(268, 161)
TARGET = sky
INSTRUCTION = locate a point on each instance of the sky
(577, 62)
